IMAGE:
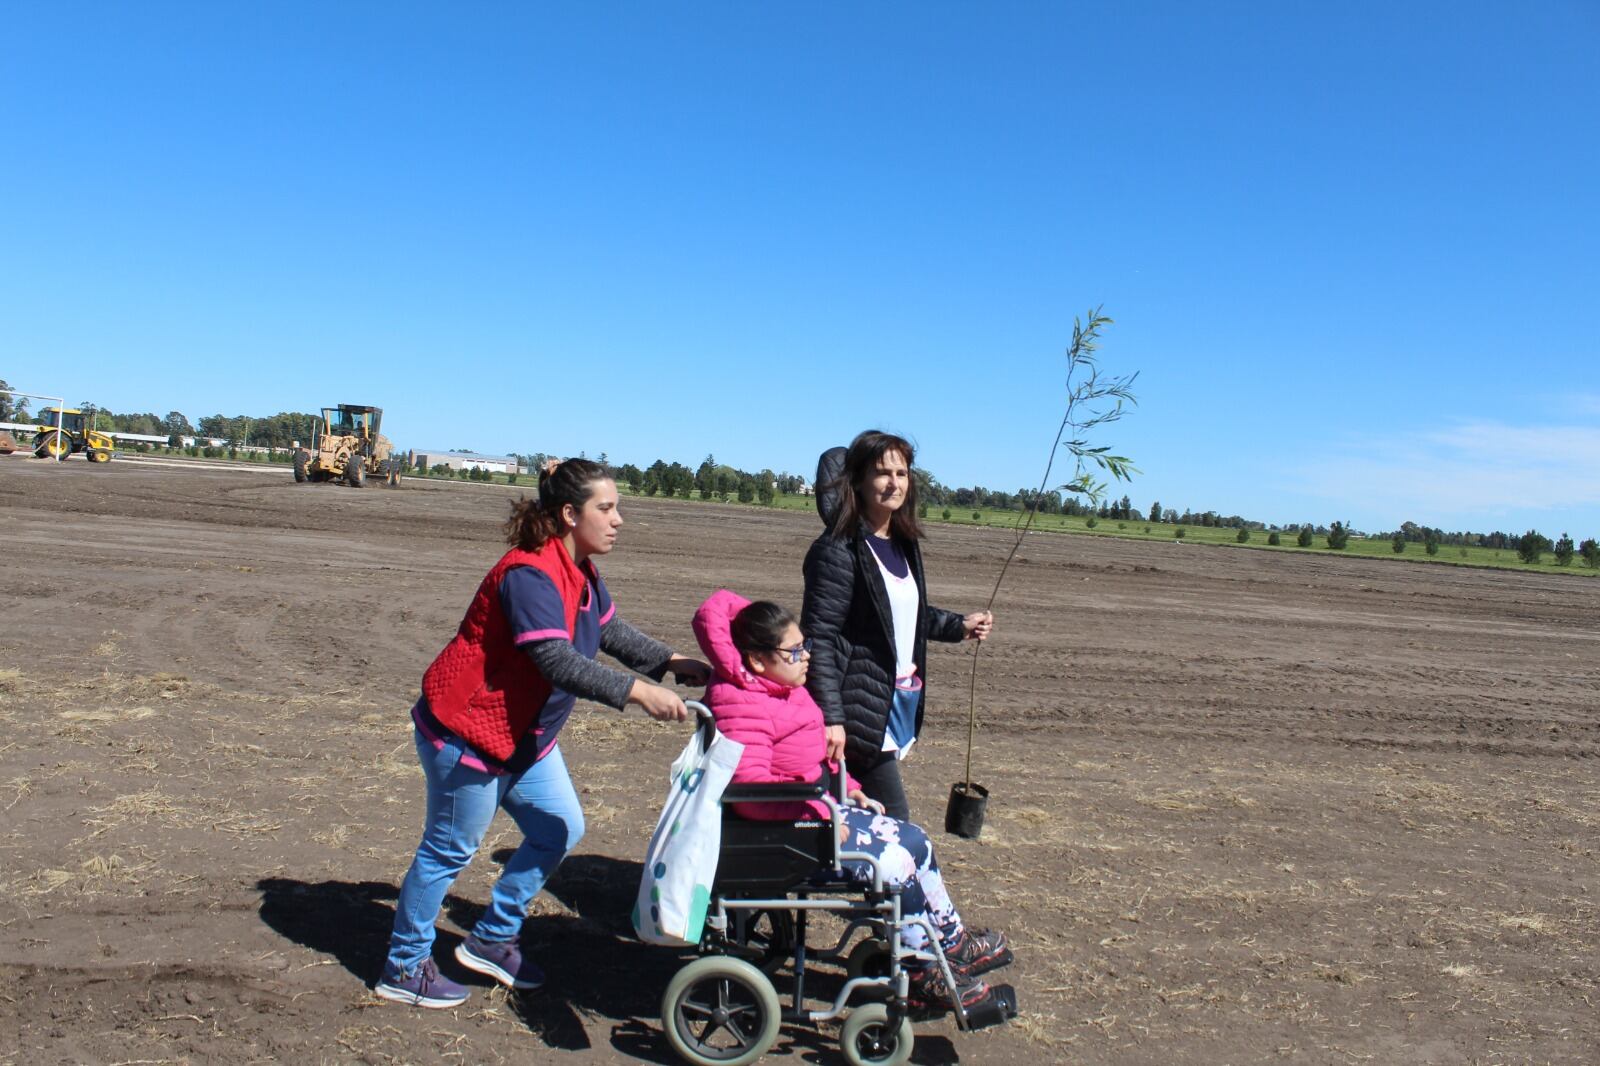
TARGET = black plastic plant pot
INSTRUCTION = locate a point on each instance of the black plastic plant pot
(963, 816)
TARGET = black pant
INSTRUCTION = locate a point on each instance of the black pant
(880, 780)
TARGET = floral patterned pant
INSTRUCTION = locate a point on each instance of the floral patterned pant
(905, 855)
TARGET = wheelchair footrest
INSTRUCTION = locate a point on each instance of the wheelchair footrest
(998, 1007)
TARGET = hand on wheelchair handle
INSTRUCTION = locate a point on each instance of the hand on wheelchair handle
(860, 799)
(690, 672)
(835, 749)
(661, 704)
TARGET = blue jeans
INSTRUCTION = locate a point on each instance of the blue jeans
(461, 804)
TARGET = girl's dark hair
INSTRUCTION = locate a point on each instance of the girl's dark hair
(760, 627)
(535, 521)
(860, 463)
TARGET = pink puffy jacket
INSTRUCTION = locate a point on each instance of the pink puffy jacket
(781, 728)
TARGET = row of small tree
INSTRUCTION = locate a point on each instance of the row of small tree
(1532, 545)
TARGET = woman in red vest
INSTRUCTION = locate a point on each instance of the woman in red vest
(492, 705)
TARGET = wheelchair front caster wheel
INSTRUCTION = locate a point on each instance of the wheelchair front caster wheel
(867, 1038)
(719, 1011)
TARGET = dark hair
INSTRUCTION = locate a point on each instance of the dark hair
(860, 463)
(535, 521)
(760, 626)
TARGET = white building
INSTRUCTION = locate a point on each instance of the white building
(427, 459)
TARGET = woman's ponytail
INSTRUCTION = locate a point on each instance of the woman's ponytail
(535, 521)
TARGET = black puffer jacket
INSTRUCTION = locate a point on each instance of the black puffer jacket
(846, 613)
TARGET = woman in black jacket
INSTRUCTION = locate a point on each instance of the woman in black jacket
(866, 609)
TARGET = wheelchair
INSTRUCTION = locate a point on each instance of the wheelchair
(722, 1009)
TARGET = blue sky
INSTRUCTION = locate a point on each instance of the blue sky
(1351, 250)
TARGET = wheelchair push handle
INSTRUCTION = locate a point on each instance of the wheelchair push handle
(704, 723)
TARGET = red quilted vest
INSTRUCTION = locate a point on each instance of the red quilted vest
(481, 687)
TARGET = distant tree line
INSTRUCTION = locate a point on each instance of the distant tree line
(273, 431)
(714, 480)
(270, 431)
(12, 409)
(710, 480)
(1530, 546)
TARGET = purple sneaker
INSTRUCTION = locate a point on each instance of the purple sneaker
(503, 962)
(423, 987)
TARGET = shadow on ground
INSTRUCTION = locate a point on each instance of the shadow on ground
(595, 966)
(349, 920)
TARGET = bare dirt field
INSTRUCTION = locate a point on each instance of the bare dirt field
(1248, 807)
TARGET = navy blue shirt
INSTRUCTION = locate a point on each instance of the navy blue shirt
(533, 607)
(889, 554)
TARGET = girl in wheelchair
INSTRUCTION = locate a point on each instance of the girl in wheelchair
(758, 698)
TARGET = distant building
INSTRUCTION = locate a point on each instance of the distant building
(428, 459)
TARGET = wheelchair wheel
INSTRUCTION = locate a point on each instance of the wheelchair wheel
(869, 958)
(867, 1039)
(769, 936)
(719, 1011)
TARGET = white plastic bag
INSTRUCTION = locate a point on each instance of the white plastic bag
(681, 862)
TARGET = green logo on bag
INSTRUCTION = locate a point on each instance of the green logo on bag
(698, 904)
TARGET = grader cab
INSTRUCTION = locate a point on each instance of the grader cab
(64, 431)
(346, 447)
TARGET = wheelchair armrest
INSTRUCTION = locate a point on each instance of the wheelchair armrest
(774, 792)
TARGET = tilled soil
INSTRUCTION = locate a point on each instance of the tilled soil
(1247, 806)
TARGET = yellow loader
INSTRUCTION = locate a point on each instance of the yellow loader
(64, 431)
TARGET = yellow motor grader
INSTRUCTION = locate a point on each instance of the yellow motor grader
(64, 431)
(346, 446)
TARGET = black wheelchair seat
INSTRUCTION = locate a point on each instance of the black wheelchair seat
(762, 857)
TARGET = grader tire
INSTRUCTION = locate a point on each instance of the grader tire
(354, 473)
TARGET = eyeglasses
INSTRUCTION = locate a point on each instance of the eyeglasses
(794, 653)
